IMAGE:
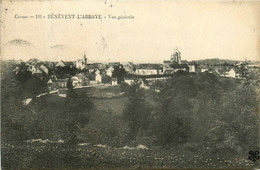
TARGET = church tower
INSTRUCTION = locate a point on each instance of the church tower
(176, 57)
(85, 60)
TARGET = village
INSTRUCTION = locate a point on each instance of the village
(85, 74)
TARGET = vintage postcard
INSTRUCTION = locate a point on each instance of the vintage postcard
(137, 84)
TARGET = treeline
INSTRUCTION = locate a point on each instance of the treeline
(195, 111)
(20, 83)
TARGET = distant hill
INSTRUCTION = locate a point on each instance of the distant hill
(215, 61)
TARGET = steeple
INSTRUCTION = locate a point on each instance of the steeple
(85, 60)
(176, 56)
(84, 57)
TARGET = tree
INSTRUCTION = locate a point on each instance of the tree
(183, 103)
(119, 72)
(13, 114)
(136, 112)
(204, 107)
(70, 88)
(63, 72)
(23, 75)
(77, 114)
(35, 86)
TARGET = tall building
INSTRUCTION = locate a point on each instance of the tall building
(82, 63)
(176, 64)
(176, 57)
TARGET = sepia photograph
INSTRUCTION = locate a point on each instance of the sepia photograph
(134, 84)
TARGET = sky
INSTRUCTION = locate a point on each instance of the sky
(200, 30)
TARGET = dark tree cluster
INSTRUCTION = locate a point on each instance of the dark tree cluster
(119, 72)
(136, 113)
(196, 110)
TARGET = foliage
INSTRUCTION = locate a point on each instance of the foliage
(106, 79)
(35, 86)
(119, 72)
(63, 72)
(23, 75)
(47, 117)
(207, 111)
(105, 128)
(77, 114)
(136, 112)
(70, 87)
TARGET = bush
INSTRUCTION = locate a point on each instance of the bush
(136, 113)
(105, 128)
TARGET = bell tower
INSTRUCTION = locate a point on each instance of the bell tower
(85, 60)
(176, 57)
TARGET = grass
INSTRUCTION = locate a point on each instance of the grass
(102, 91)
(50, 155)
(114, 105)
(106, 98)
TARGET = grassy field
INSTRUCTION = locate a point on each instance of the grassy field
(54, 155)
(114, 105)
(101, 91)
(106, 98)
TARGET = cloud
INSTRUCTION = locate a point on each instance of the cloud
(57, 47)
(19, 42)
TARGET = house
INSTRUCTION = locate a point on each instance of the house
(168, 71)
(129, 81)
(75, 81)
(166, 64)
(39, 69)
(112, 64)
(114, 81)
(169, 68)
(144, 86)
(54, 84)
(83, 80)
(203, 68)
(49, 64)
(180, 67)
(191, 68)
(234, 73)
(148, 69)
(36, 70)
(33, 61)
(109, 71)
(92, 67)
(62, 92)
(62, 63)
(44, 69)
(100, 66)
(231, 73)
(50, 85)
(98, 77)
(129, 67)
